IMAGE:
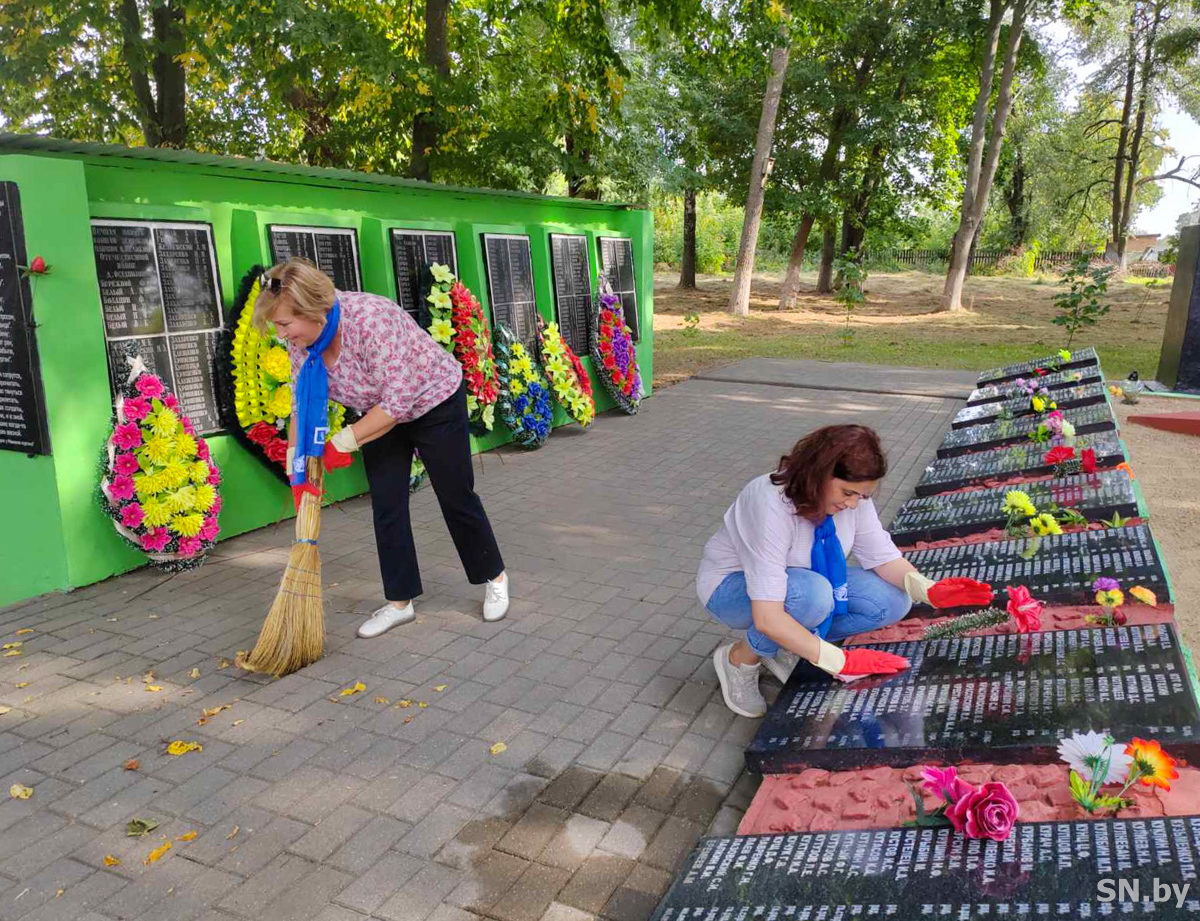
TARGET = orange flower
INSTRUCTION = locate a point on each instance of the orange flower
(1128, 470)
(1154, 766)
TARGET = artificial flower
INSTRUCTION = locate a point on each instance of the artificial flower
(439, 299)
(132, 515)
(127, 436)
(441, 273)
(1067, 429)
(185, 446)
(280, 403)
(457, 321)
(1018, 502)
(442, 331)
(159, 449)
(1153, 766)
(1093, 757)
(1058, 455)
(156, 512)
(1064, 355)
(182, 500)
(121, 488)
(187, 525)
(276, 364)
(155, 541)
(150, 386)
(203, 496)
(1088, 460)
(135, 409)
(209, 530)
(164, 422)
(126, 464)
(1045, 524)
(1144, 595)
(202, 449)
(1124, 467)
(198, 472)
(189, 546)
(170, 401)
(262, 433)
(945, 783)
(276, 451)
(1105, 584)
(1025, 610)
(989, 812)
(175, 474)
(1039, 405)
(1110, 598)
(148, 484)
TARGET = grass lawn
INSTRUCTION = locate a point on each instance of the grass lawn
(1008, 320)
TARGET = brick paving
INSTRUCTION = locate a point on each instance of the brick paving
(307, 804)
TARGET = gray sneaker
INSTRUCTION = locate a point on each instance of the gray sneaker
(781, 665)
(739, 685)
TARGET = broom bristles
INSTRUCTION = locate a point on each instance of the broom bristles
(293, 634)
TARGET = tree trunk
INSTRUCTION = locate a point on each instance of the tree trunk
(739, 298)
(828, 251)
(437, 59)
(162, 110)
(791, 281)
(981, 169)
(687, 268)
(1017, 200)
(1118, 186)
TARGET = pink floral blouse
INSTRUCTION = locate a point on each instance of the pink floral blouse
(386, 360)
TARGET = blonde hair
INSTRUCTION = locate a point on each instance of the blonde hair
(309, 289)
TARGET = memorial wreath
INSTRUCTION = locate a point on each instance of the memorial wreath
(570, 382)
(458, 323)
(524, 405)
(611, 345)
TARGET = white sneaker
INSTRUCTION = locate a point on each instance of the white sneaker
(495, 600)
(739, 685)
(385, 618)
(781, 665)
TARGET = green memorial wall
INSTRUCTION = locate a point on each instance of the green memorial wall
(94, 213)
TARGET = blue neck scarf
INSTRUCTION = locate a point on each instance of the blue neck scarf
(312, 399)
(829, 560)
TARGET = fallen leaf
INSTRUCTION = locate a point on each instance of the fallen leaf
(357, 688)
(154, 687)
(14, 645)
(232, 834)
(213, 711)
(422, 704)
(22, 668)
(189, 836)
(407, 720)
(403, 704)
(149, 676)
(59, 893)
(238, 722)
(498, 748)
(27, 699)
(24, 630)
(4, 710)
(224, 663)
(155, 854)
(136, 828)
(179, 747)
(21, 684)
(194, 673)
(111, 861)
(20, 791)
(441, 687)
(132, 764)
(382, 700)
(112, 620)
(11, 653)
(152, 616)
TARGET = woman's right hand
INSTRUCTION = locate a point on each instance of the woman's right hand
(863, 662)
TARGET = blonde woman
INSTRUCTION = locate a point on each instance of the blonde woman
(366, 352)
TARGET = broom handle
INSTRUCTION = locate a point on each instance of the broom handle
(308, 519)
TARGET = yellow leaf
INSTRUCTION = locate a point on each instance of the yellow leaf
(1144, 595)
(404, 704)
(20, 791)
(152, 616)
(111, 861)
(11, 653)
(132, 764)
(498, 748)
(382, 700)
(422, 704)
(21, 684)
(24, 630)
(157, 853)
(224, 663)
(357, 688)
(407, 720)
(232, 834)
(154, 687)
(179, 747)
(238, 722)
(194, 673)
(441, 687)
(422, 88)
(190, 836)
(213, 711)
(14, 645)
(59, 893)
(4, 710)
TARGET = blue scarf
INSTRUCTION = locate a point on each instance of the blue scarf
(829, 560)
(312, 399)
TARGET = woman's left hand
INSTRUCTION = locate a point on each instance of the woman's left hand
(954, 592)
(335, 459)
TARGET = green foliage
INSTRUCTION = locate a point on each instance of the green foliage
(965, 623)
(850, 295)
(691, 323)
(718, 230)
(1080, 306)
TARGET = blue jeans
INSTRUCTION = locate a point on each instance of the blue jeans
(872, 603)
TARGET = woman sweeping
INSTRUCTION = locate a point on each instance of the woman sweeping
(776, 568)
(366, 352)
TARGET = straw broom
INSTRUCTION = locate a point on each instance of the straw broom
(293, 635)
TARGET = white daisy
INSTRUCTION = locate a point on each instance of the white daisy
(1086, 752)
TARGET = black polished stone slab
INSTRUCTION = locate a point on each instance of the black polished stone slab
(1004, 699)
(1067, 398)
(1063, 568)
(1086, 419)
(510, 285)
(1079, 358)
(1005, 463)
(1043, 870)
(413, 252)
(993, 393)
(616, 263)
(334, 250)
(1096, 496)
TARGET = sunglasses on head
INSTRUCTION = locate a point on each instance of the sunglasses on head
(267, 283)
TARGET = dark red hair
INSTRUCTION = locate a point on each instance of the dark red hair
(848, 452)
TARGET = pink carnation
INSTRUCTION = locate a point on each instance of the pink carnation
(171, 402)
(187, 425)
(208, 530)
(189, 546)
(121, 488)
(216, 506)
(150, 386)
(132, 515)
(156, 540)
(988, 812)
(214, 477)
(128, 435)
(202, 449)
(126, 464)
(135, 409)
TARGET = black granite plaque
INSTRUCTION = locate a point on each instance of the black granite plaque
(185, 271)
(1096, 496)
(1086, 419)
(193, 358)
(1004, 699)
(1067, 398)
(1006, 463)
(154, 352)
(994, 393)
(1079, 358)
(334, 250)
(616, 263)
(1179, 358)
(413, 252)
(1063, 568)
(1064, 870)
(128, 276)
(23, 425)
(572, 288)
(510, 284)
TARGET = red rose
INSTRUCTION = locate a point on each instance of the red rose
(1088, 460)
(988, 812)
(610, 363)
(1026, 611)
(1058, 455)
(277, 451)
(1040, 372)
(38, 266)
(261, 433)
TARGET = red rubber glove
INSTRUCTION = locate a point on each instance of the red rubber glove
(335, 459)
(862, 662)
(299, 489)
(960, 592)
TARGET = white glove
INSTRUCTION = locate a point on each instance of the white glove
(830, 659)
(918, 586)
(345, 440)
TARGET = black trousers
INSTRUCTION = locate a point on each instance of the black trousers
(443, 439)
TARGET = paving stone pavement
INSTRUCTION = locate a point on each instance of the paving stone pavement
(307, 804)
